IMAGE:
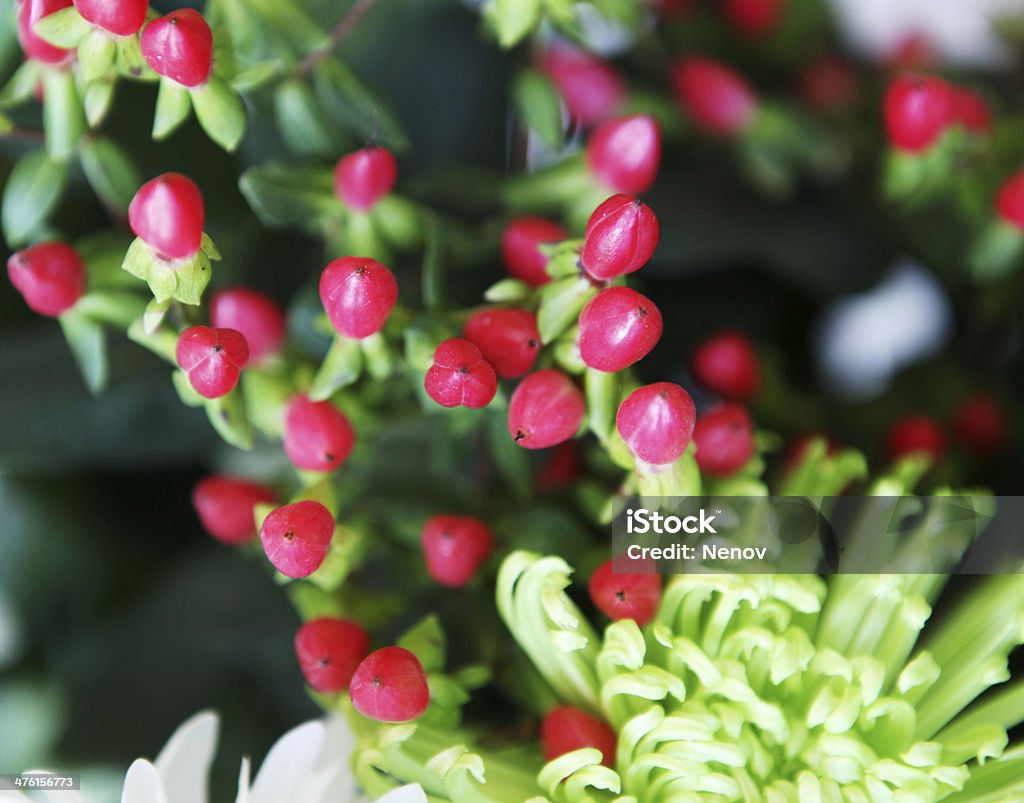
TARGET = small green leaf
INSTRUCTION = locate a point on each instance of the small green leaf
(64, 28)
(427, 642)
(110, 172)
(221, 113)
(340, 368)
(266, 396)
(154, 315)
(162, 342)
(540, 106)
(508, 291)
(98, 97)
(399, 221)
(188, 395)
(380, 360)
(208, 247)
(192, 278)
(354, 107)
(301, 121)
(228, 416)
(419, 348)
(63, 116)
(96, 54)
(288, 195)
(513, 19)
(88, 344)
(560, 305)
(180, 279)
(997, 251)
(32, 191)
(115, 307)
(22, 85)
(511, 462)
(172, 106)
(256, 76)
(602, 391)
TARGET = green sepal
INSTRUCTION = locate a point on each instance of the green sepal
(540, 106)
(129, 61)
(508, 291)
(64, 28)
(602, 394)
(154, 315)
(342, 366)
(63, 116)
(22, 84)
(87, 340)
(172, 106)
(682, 478)
(564, 258)
(426, 640)
(560, 304)
(221, 113)
(99, 96)
(566, 352)
(266, 396)
(228, 416)
(96, 54)
(378, 357)
(341, 558)
(419, 348)
(182, 279)
(109, 171)
(187, 394)
(997, 251)
(33, 189)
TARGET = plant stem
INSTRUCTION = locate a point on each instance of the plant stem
(350, 19)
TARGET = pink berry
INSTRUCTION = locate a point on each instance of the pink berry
(656, 422)
(718, 100)
(545, 410)
(618, 327)
(390, 686)
(35, 47)
(972, 111)
(119, 17)
(918, 109)
(916, 434)
(180, 47)
(317, 435)
(829, 84)
(460, 375)
(167, 213)
(727, 363)
(592, 89)
(49, 276)
(212, 358)
(625, 596)
(225, 507)
(725, 440)
(1010, 200)
(754, 17)
(297, 537)
(565, 729)
(623, 154)
(358, 294)
(454, 547)
(621, 236)
(329, 650)
(364, 177)
(520, 252)
(256, 315)
(508, 339)
(980, 424)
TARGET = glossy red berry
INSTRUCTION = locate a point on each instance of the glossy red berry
(972, 111)
(454, 548)
(49, 276)
(829, 84)
(727, 363)
(656, 422)
(545, 409)
(561, 468)
(329, 650)
(916, 434)
(225, 507)
(35, 47)
(623, 154)
(725, 440)
(167, 213)
(508, 339)
(256, 315)
(621, 237)
(565, 729)
(364, 177)
(212, 359)
(520, 248)
(717, 99)
(460, 376)
(625, 596)
(754, 17)
(592, 89)
(918, 109)
(389, 685)
(297, 537)
(358, 294)
(119, 17)
(1010, 200)
(180, 47)
(317, 435)
(618, 327)
(980, 424)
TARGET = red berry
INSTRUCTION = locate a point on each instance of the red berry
(754, 17)
(317, 435)
(625, 596)
(916, 434)
(49, 276)
(918, 109)
(545, 409)
(508, 339)
(561, 468)
(225, 506)
(460, 375)
(829, 84)
(358, 294)
(914, 51)
(623, 154)
(621, 236)
(35, 47)
(256, 315)
(1010, 200)
(973, 111)
(364, 177)
(520, 252)
(454, 547)
(656, 422)
(296, 537)
(565, 729)
(329, 650)
(167, 213)
(390, 686)
(618, 327)
(725, 440)
(716, 98)
(119, 17)
(592, 89)
(212, 358)
(180, 47)
(980, 424)
(727, 363)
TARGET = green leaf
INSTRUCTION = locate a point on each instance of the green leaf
(399, 221)
(340, 368)
(508, 291)
(540, 106)
(511, 462)
(98, 97)
(301, 122)
(513, 19)
(63, 116)
(188, 395)
(172, 105)
(997, 251)
(256, 76)
(228, 416)
(355, 107)
(426, 640)
(266, 395)
(380, 360)
(88, 344)
(22, 85)
(560, 305)
(162, 342)
(96, 54)
(110, 172)
(221, 113)
(285, 195)
(32, 191)
(154, 315)
(602, 392)
(64, 28)
(115, 307)
(130, 62)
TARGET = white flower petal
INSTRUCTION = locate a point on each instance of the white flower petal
(413, 793)
(289, 764)
(142, 784)
(243, 782)
(184, 763)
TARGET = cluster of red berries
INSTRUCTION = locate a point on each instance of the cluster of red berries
(978, 423)
(919, 109)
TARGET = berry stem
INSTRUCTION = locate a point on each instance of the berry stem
(348, 21)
